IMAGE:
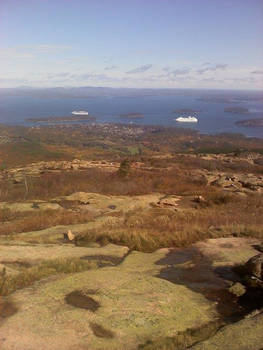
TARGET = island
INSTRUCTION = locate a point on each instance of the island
(236, 110)
(72, 118)
(132, 116)
(250, 122)
(217, 99)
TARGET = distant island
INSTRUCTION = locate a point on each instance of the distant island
(186, 110)
(236, 110)
(74, 118)
(132, 116)
(250, 122)
(218, 99)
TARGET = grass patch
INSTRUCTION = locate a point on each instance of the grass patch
(155, 228)
(34, 221)
(10, 284)
(52, 185)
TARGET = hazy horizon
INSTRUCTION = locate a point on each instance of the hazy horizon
(222, 89)
(132, 44)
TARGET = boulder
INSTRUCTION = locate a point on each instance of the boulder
(169, 201)
(69, 236)
(254, 267)
(18, 178)
(246, 334)
(199, 199)
(75, 166)
(221, 182)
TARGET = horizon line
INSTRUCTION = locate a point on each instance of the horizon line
(127, 88)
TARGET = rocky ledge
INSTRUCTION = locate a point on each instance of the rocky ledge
(145, 299)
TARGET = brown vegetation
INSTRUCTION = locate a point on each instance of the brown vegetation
(163, 171)
(156, 228)
(28, 276)
(51, 185)
(13, 222)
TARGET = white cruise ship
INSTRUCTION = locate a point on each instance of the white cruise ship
(80, 112)
(188, 119)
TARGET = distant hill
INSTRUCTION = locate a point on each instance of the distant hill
(207, 95)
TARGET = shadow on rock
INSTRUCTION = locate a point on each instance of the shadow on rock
(79, 299)
(189, 267)
(104, 260)
(7, 309)
(100, 331)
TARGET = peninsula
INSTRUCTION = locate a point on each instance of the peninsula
(132, 116)
(73, 118)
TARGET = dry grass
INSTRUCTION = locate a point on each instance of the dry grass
(25, 278)
(154, 228)
(236, 165)
(218, 216)
(26, 152)
(51, 185)
(33, 221)
(149, 230)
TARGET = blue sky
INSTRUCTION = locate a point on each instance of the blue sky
(132, 43)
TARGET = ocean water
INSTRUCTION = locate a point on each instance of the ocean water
(157, 110)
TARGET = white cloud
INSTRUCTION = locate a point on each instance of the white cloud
(212, 68)
(140, 69)
(181, 71)
(55, 72)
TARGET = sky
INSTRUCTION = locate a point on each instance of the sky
(132, 43)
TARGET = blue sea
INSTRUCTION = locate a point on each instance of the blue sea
(157, 110)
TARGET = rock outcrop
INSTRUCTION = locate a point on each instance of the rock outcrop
(254, 266)
(18, 175)
(254, 271)
(145, 297)
(169, 201)
(237, 182)
(246, 334)
(29, 206)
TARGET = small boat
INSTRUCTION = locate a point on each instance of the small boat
(80, 112)
(188, 119)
